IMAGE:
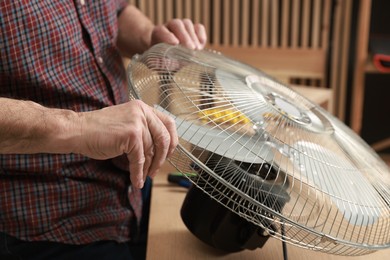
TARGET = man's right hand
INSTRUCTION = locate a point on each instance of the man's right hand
(145, 135)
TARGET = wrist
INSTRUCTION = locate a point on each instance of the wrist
(134, 31)
(67, 132)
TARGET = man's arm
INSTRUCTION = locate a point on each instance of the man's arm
(27, 127)
(146, 136)
(134, 31)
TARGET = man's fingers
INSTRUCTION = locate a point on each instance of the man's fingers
(145, 135)
(189, 26)
(178, 28)
(181, 31)
(161, 141)
(149, 153)
(170, 125)
(136, 159)
(201, 34)
(162, 130)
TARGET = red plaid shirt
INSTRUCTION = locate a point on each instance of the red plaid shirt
(62, 54)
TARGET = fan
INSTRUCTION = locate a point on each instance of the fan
(267, 161)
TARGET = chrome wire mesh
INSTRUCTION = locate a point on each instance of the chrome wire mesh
(267, 153)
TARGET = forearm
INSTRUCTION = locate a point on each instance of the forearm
(27, 127)
(134, 31)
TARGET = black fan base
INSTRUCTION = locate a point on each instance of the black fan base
(218, 226)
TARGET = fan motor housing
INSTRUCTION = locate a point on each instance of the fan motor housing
(218, 226)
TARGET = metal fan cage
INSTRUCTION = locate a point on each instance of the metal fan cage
(308, 167)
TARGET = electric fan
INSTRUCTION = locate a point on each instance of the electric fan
(264, 161)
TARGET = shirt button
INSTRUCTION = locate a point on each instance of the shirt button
(82, 2)
(100, 60)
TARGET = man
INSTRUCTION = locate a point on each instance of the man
(65, 123)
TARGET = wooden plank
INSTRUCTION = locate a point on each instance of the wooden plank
(179, 8)
(226, 23)
(295, 24)
(217, 23)
(274, 23)
(158, 9)
(142, 6)
(326, 24)
(285, 23)
(235, 29)
(305, 24)
(197, 11)
(316, 24)
(381, 145)
(187, 12)
(360, 63)
(341, 88)
(336, 52)
(205, 18)
(255, 24)
(280, 61)
(264, 23)
(168, 10)
(245, 15)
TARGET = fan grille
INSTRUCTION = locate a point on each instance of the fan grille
(267, 153)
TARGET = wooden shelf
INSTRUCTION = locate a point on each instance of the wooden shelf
(361, 58)
(381, 145)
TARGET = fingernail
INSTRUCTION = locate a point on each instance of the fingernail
(140, 184)
(191, 45)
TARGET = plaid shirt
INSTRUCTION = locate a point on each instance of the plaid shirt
(62, 54)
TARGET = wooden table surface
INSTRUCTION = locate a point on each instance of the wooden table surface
(170, 239)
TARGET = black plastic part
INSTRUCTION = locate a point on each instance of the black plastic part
(218, 226)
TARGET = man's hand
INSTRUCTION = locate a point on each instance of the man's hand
(136, 32)
(180, 31)
(145, 135)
